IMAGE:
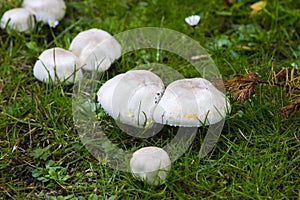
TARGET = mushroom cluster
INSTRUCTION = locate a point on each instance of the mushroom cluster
(93, 49)
(139, 98)
(57, 64)
(23, 19)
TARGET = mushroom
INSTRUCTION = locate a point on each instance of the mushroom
(96, 49)
(150, 164)
(47, 11)
(18, 19)
(131, 97)
(57, 63)
(191, 103)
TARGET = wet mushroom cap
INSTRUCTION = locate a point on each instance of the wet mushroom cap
(57, 63)
(191, 103)
(18, 19)
(131, 97)
(48, 11)
(150, 164)
(96, 49)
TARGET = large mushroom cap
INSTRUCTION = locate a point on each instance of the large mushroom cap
(96, 49)
(191, 103)
(150, 164)
(107, 92)
(18, 19)
(57, 63)
(131, 97)
(48, 11)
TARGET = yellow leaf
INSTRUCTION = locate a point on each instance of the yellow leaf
(257, 7)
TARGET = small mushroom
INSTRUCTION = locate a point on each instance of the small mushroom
(96, 49)
(131, 97)
(18, 19)
(47, 11)
(57, 63)
(191, 103)
(150, 164)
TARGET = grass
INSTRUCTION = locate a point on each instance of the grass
(257, 156)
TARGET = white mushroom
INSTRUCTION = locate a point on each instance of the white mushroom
(47, 11)
(131, 97)
(191, 103)
(57, 63)
(96, 49)
(18, 19)
(150, 164)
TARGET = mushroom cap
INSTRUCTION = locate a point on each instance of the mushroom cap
(96, 49)
(106, 93)
(18, 19)
(131, 97)
(191, 103)
(150, 164)
(48, 11)
(57, 63)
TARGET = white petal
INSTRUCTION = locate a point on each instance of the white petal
(53, 23)
(192, 20)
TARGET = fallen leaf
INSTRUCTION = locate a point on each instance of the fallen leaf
(242, 86)
(288, 110)
(256, 7)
